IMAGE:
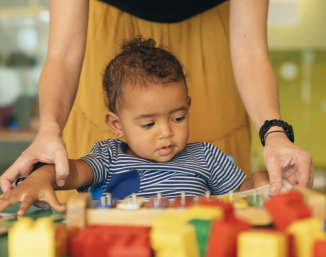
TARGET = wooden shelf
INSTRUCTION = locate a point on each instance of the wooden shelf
(23, 135)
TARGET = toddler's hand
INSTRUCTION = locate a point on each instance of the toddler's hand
(27, 193)
(260, 178)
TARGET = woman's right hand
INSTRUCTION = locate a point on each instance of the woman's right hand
(46, 148)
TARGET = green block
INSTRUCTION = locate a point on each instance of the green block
(202, 228)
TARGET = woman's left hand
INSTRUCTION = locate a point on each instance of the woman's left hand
(283, 159)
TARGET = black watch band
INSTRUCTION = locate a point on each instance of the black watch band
(288, 130)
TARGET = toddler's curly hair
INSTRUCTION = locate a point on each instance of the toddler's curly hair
(140, 63)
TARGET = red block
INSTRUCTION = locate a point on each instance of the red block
(291, 250)
(137, 247)
(286, 208)
(222, 241)
(111, 241)
(213, 201)
(320, 248)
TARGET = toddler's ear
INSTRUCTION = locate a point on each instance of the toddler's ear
(113, 122)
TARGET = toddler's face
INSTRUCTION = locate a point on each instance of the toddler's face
(155, 121)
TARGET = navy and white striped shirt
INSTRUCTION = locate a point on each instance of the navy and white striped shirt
(196, 169)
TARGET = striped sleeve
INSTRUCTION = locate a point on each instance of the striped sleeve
(225, 176)
(98, 159)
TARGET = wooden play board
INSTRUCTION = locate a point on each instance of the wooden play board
(247, 205)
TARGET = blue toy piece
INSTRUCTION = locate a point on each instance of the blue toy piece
(97, 193)
(231, 158)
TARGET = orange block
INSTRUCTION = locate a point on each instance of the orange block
(222, 241)
(287, 208)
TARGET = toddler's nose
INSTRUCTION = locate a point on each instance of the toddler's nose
(166, 131)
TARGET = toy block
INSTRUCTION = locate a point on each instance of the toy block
(226, 207)
(286, 208)
(111, 241)
(170, 220)
(178, 240)
(61, 240)
(258, 243)
(315, 200)
(137, 246)
(32, 239)
(223, 237)
(168, 229)
(90, 241)
(76, 210)
(306, 232)
(290, 242)
(202, 228)
(319, 248)
(203, 212)
(63, 234)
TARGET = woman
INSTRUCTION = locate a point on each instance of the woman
(213, 39)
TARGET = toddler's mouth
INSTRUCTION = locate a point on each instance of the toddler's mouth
(165, 150)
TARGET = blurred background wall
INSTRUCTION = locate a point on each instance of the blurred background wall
(297, 43)
(24, 26)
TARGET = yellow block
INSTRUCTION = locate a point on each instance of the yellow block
(32, 239)
(172, 236)
(203, 212)
(182, 217)
(262, 243)
(177, 242)
(306, 232)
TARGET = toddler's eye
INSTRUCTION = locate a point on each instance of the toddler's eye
(178, 119)
(147, 125)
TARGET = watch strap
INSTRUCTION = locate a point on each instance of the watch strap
(288, 130)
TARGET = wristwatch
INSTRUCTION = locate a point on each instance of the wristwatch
(288, 130)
